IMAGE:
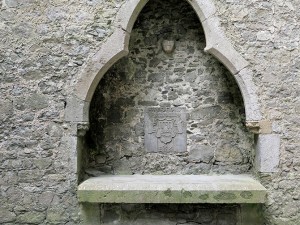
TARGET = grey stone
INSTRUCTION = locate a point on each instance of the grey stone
(46, 198)
(191, 75)
(100, 159)
(172, 95)
(156, 77)
(11, 3)
(6, 215)
(171, 189)
(29, 176)
(226, 153)
(76, 110)
(139, 129)
(90, 214)
(263, 35)
(37, 101)
(201, 153)
(19, 103)
(148, 103)
(154, 62)
(206, 112)
(56, 215)
(42, 163)
(6, 109)
(54, 130)
(33, 75)
(28, 117)
(31, 218)
(267, 153)
(165, 129)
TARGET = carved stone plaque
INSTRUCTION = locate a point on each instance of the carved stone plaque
(165, 129)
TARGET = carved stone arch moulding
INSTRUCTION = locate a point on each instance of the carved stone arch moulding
(116, 46)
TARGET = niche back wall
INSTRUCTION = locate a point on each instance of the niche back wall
(217, 140)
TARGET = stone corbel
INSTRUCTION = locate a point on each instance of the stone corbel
(260, 127)
(267, 146)
(82, 128)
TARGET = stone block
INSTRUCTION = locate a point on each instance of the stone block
(6, 109)
(265, 127)
(248, 90)
(251, 214)
(226, 153)
(201, 153)
(206, 113)
(267, 153)
(203, 8)
(31, 218)
(6, 215)
(37, 101)
(90, 214)
(56, 215)
(165, 129)
(171, 189)
(76, 110)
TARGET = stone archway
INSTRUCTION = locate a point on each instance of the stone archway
(116, 47)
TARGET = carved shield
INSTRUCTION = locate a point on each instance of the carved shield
(165, 130)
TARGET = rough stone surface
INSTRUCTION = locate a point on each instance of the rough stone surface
(44, 45)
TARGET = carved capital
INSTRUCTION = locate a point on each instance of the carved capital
(82, 128)
(260, 127)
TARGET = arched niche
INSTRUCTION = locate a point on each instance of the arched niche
(116, 46)
(112, 50)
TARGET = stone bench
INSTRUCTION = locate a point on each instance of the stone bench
(171, 189)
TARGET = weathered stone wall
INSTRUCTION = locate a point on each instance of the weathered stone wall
(267, 35)
(43, 46)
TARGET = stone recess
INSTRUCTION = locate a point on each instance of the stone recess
(148, 78)
(169, 214)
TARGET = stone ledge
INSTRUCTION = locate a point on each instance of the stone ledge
(171, 189)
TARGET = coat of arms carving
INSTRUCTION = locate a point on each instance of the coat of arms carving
(165, 129)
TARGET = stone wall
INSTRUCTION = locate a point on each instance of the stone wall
(43, 46)
(266, 34)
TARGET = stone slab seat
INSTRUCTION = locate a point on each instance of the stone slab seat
(171, 189)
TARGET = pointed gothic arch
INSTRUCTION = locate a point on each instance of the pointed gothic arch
(116, 46)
